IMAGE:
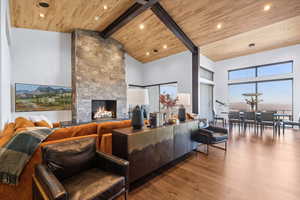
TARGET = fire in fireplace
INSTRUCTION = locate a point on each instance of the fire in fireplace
(104, 109)
(103, 113)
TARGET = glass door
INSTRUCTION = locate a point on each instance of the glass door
(206, 101)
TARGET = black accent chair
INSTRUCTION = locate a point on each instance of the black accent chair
(74, 170)
(210, 136)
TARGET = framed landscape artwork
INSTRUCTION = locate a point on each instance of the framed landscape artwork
(29, 97)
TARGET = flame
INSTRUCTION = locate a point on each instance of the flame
(103, 113)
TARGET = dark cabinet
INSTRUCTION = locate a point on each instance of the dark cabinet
(150, 149)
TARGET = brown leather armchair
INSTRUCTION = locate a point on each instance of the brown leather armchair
(74, 170)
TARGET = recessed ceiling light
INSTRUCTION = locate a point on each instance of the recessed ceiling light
(142, 26)
(105, 7)
(219, 26)
(44, 4)
(147, 53)
(267, 7)
(42, 15)
(97, 18)
(165, 46)
(251, 45)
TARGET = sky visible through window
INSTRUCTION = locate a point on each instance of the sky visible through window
(276, 95)
(269, 70)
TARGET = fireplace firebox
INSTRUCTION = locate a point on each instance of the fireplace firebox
(104, 109)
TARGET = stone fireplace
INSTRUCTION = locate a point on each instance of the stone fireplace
(98, 73)
(104, 109)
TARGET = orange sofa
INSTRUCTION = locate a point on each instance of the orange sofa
(23, 191)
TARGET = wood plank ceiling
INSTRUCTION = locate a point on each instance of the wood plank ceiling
(242, 21)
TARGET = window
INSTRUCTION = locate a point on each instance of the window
(276, 96)
(169, 90)
(206, 74)
(271, 98)
(236, 99)
(242, 73)
(261, 71)
(276, 69)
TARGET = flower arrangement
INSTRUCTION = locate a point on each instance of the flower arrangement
(167, 101)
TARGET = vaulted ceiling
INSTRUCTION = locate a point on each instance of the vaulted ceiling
(240, 22)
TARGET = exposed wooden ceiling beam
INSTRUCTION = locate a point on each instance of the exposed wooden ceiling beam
(163, 15)
(136, 9)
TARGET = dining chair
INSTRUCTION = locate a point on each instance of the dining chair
(234, 118)
(267, 119)
(217, 118)
(249, 119)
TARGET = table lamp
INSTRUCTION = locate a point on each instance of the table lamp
(184, 99)
(137, 98)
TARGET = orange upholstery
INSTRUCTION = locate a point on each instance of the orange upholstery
(106, 143)
(105, 136)
(7, 133)
(42, 123)
(74, 131)
(56, 125)
(107, 127)
(23, 191)
(22, 122)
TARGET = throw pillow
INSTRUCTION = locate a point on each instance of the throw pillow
(42, 123)
(42, 117)
(7, 133)
(22, 122)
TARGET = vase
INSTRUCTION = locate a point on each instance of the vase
(137, 118)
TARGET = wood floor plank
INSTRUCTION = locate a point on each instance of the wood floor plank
(255, 167)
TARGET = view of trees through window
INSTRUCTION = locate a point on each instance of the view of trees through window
(275, 95)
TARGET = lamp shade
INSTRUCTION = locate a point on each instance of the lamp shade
(184, 99)
(137, 96)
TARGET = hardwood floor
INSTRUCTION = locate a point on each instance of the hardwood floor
(254, 168)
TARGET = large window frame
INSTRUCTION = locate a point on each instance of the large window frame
(260, 66)
(256, 82)
(256, 88)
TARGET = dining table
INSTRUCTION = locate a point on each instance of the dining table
(279, 117)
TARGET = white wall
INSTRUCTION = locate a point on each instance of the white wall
(134, 71)
(267, 57)
(44, 58)
(5, 63)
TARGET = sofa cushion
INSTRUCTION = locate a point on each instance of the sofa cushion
(42, 123)
(85, 129)
(7, 133)
(93, 183)
(107, 127)
(74, 131)
(62, 157)
(22, 122)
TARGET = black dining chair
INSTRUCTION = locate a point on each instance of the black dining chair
(249, 119)
(267, 119)
(234, 118)
(217, 118)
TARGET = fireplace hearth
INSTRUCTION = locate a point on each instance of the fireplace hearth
(104, 109)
